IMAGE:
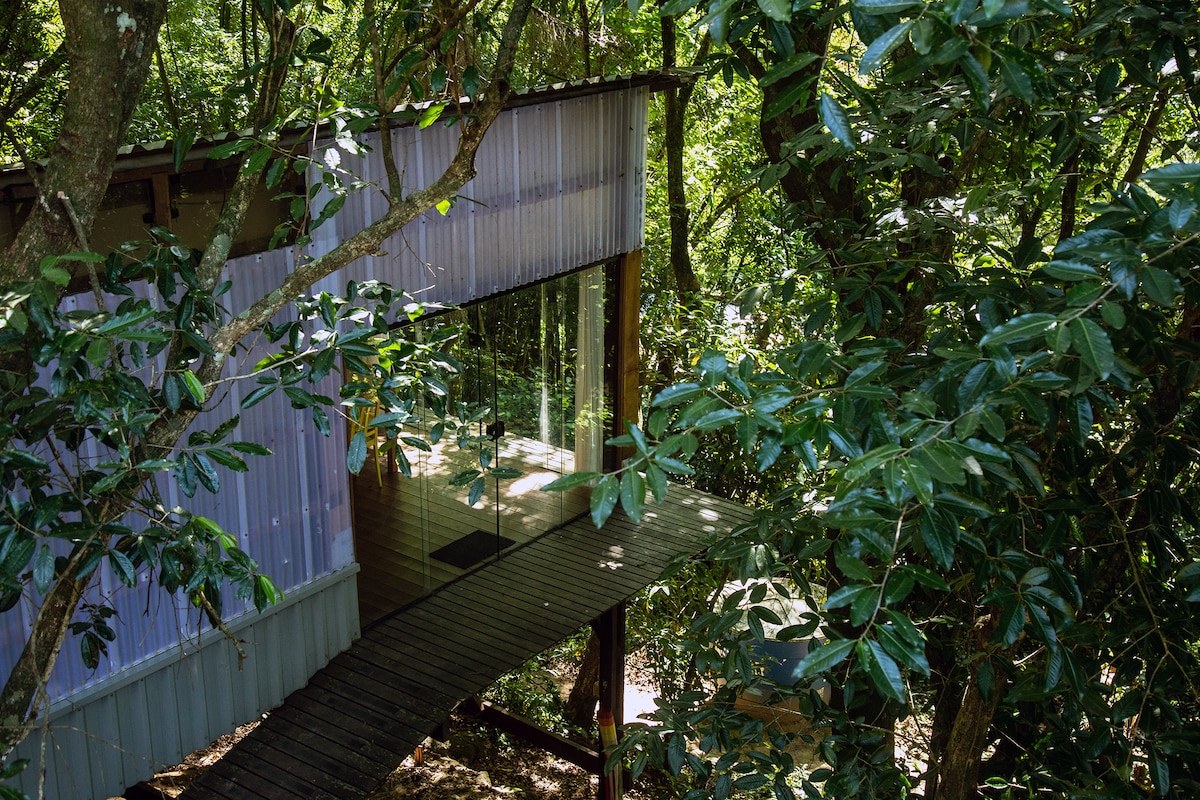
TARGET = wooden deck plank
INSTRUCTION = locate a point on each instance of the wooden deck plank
(347, 757)
(508, 633)
(403, 707)
(297, 713)
(374, 703)
(598, 568)
(428, 667)
(459, 643)
(359, 720)
(366, 708)
(516, 603)
(310, 765)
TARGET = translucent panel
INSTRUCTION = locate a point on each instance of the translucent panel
(290, 512)
(560, 185)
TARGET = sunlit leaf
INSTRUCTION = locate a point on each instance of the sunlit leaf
(879, 49)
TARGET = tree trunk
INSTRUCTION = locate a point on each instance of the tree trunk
(29, 675)
(585, 694)
(687, 287)
(959, 763)
(109, 50)
(959, 769)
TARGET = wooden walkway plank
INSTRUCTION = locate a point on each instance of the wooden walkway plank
(365, 713)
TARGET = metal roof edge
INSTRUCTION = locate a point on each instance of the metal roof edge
(161, 153)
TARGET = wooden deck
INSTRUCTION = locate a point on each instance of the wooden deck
(362, 715)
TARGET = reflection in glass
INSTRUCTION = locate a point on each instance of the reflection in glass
(527, 407)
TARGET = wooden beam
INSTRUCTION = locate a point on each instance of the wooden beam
(627, 367)
(526, 729)
(160, 199)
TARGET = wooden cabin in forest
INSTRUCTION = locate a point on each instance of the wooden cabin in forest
(402, 599)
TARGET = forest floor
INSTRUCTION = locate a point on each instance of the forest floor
(492, 774)
(473, 765)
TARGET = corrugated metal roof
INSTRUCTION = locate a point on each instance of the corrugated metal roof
(159, 153)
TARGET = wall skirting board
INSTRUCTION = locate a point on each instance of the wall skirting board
(107, 737)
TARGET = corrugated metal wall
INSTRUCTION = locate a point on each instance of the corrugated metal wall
(291, 513)
(293, 519)
(119, 732)
(559, 185)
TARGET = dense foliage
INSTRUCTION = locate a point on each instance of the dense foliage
(934, 313)
(974, 416)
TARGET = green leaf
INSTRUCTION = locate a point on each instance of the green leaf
(836, 120)
(778, 10)
(1092, 343)
(476, 491)
(918, 479)
(656, 479)
(977, 80)
(1017, 80)
(879, 7)
(789, 66)
(676, 7)
(572, 481)
(679, 393)
(911, 654)
(125, 321)
(1070, 270)
(604, 499)
(194, 387)
(879, 49)
(232, 147)
(123, 568)
(826, 657)
(206, 473)
(964, 503)
(717, 419)
(504, 473)
(1163, 179)
(257, 160)
(356, 455)
(52, 272)
(883, 669)
(795, 93)
(185, 475)
(1180, 212)
(43, 569)
(181, 146)
(633, 494)
(1025, 326)
(1159, 285)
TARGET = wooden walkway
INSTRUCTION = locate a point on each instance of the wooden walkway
(362, 715)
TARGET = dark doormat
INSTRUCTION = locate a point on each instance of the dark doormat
(472, 548)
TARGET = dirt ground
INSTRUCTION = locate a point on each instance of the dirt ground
(486, 771)
(474, 765)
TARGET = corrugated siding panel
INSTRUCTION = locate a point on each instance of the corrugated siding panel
(291, 511)
(559, 185)
(171, 705)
